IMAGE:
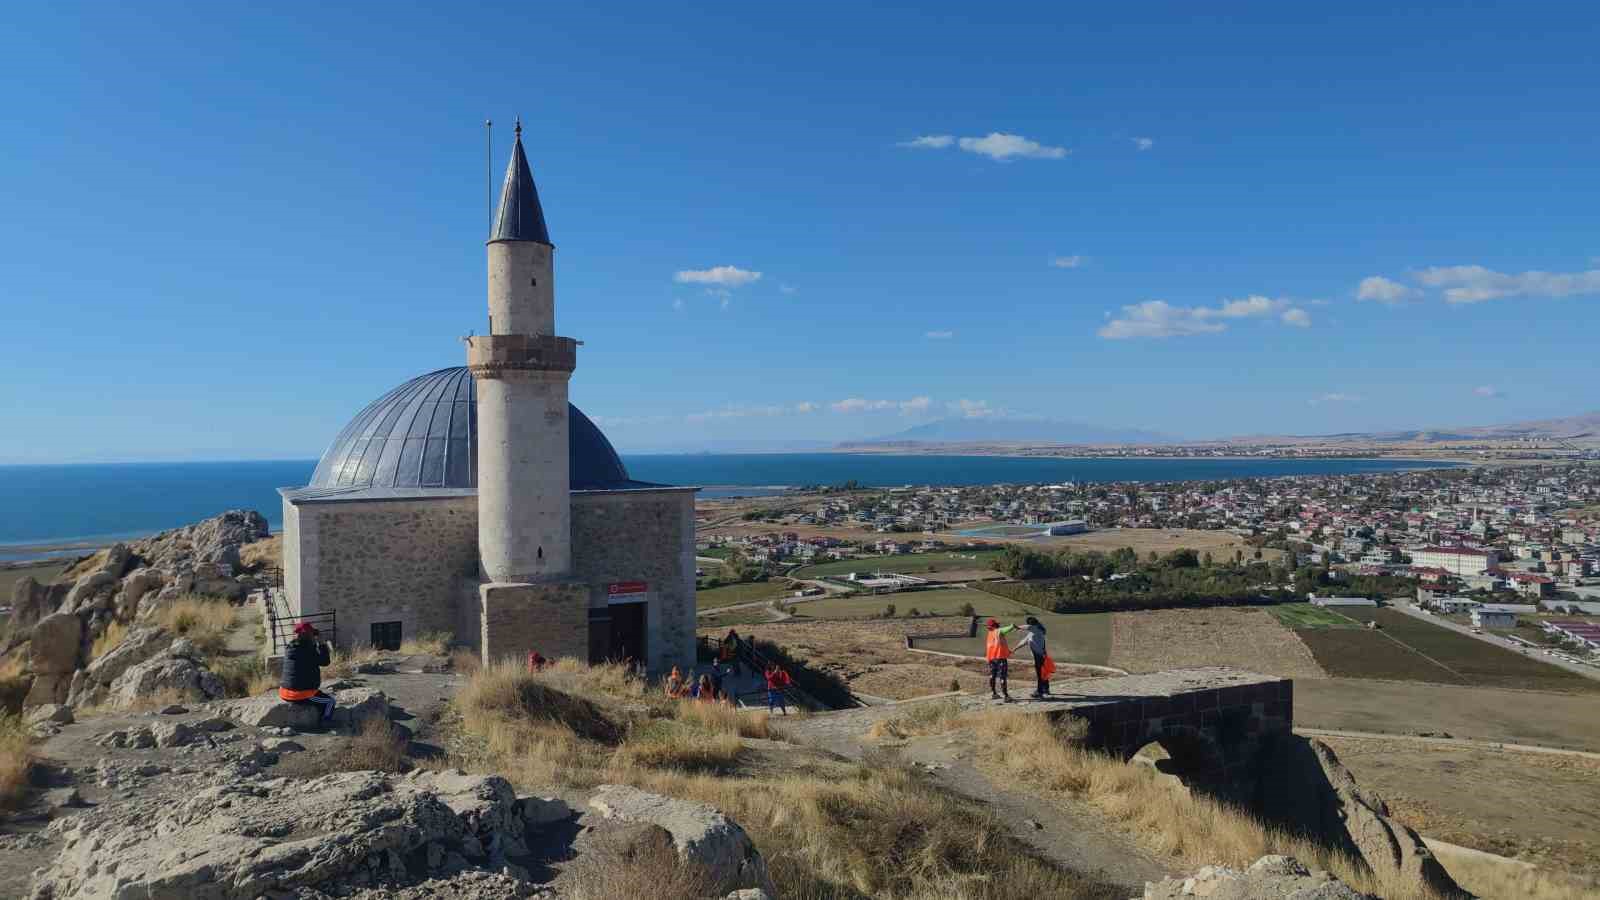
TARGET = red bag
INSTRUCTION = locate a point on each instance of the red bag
(1048, 667)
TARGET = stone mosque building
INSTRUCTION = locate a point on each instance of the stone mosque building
(477, 501)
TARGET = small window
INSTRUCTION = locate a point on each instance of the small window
(386, 635)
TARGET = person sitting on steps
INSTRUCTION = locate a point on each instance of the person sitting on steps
(303, 660)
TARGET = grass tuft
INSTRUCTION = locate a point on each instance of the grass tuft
(429, 643)
(16, 760)
(243, 676)
(108, 640)
(378, 746)
(203, 620)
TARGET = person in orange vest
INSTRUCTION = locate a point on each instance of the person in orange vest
(999, 655)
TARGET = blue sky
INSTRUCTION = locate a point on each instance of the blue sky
(227, 230)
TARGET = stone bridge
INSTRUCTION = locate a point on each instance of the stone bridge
(1214, 722)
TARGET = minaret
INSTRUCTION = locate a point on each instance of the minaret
(524, 489)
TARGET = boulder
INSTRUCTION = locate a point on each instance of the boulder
(140, 644)
(1269, 878)
(138, 583)
(173, 734)
(183, 648)
(56, 644)
(701, 834)
(93, 591)
(267, 711)
(242, 839)
(50, 712)
(164, 674)
(1308, 790)
(538, 812)
(30, 602)
(47, 688)
(116, 562)
(356, 705)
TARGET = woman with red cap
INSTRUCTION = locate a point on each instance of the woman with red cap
(303, 660)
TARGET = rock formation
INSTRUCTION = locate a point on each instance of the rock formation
(701, 835)
(1269, 878)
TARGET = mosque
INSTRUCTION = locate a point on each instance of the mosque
(477, 501)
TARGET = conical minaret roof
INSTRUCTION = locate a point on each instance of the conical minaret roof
(520, 217)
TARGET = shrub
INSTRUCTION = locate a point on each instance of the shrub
(243, 676)
(913, 612)
(967, 609)
(14, 681)
(955, 685)
(430, 643)
(888, 611)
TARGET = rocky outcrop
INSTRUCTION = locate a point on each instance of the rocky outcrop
(166, 674)
(1269, 878)
(702, 835)
(54, 648)
(91, 684)
(1308, 790)
(32, 601)
(352, 706)
(245, 838)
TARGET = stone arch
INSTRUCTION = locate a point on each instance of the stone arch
(1193, 755)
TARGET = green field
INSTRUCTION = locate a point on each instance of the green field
(942, 602)
(1079, 637)
(902, 564)
(1304, 615)
(730, 594)
(734, 617)
(1418, 650)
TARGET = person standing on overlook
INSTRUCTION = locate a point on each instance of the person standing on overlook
(998, 652)
(1043, 665)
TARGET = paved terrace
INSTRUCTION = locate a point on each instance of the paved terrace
(1213, 720)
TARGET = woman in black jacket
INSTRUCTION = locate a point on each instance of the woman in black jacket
(302, 670)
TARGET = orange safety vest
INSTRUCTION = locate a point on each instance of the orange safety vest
(998, 648)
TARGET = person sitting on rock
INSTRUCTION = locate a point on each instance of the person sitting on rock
(303, 660)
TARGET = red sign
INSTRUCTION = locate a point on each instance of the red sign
(620, 588)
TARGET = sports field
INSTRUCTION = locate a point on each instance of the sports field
(902, 564)
(730, 594)
(943, 602)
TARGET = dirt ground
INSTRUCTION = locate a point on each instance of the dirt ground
(1152, 640)
(1535, 807)
(1474, 713)
(1161, 540)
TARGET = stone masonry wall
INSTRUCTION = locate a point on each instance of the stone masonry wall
(550, 617)
(642, 536)
(385, 561)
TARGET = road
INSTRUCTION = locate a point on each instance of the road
(1578, 668)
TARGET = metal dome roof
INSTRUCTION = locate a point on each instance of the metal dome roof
(424, 433)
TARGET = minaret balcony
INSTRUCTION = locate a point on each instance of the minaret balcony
(492, 355)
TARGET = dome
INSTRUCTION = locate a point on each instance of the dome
(424, 434)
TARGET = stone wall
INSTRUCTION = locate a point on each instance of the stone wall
(642, 536)
(382, 561)
(551, 617)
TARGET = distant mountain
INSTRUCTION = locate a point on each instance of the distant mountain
(995, 430)
(1579, 429)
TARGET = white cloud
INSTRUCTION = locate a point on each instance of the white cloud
(973, 409)
(852, 405)
(1488, 390)
(1333, 398)
(1066, 262)
(1382, 290)
(915, 405)
(805, 407)
(1000, 146)
(939, 335)
(930, 141)
(1475, 284)
(1160, 319)
(726, 276)
(1143, 143)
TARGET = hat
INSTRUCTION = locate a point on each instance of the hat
(992, 623)
(304, 628)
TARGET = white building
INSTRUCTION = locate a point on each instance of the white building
(1495, 616)
(1455, 560)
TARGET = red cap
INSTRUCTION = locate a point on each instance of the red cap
(993, 624)
(304, 628)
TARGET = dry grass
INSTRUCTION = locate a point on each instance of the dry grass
(243, 676)
(265, 552)
(429, 643)
(108, 640)
(615, 868)
(342, 663)
(16, 760)
(465, 661)
(14, 679)
(932, 717)
(378, 746)
(1488, 878)
(826, 828)
(1252, 639)
(203, 620)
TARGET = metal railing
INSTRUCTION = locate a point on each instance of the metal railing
(746, 654)
(281, 625)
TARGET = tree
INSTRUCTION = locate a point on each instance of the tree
(1207, 561)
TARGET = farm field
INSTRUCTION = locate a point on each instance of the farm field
(902, 564)
(1221, 544)
(1474, 713)
(1476, 662)
(1078, 638)
(731, 594)
(1359, 653)
(1246, 637)
(1304, 615)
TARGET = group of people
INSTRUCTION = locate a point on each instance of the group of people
(998, 652)
(707, 689)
